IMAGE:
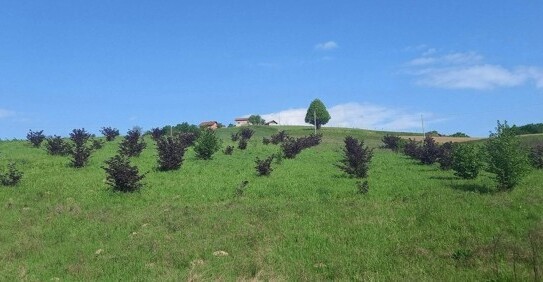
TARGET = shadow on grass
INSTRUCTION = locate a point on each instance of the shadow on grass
(479, 188)
(443, 177)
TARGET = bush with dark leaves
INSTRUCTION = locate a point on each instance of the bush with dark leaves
(97, 144)
(170, 153)
(235, 136)
(56, 146)
(412, 149)
(228, 150)
(291, 147)
(392, 142)
(445, 158)
(132, 144)
(357, 158)
(429, 152)
(310, 141)
(246, 133)
(35, 137)
(242, 144)
(80, 151)
(156, 133)
(363, 187)
(121, 175)
(263, 167)
(187, 138)
(279, 137)
(12, 176)
(110, 133)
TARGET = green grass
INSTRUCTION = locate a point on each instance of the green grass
(303, 222)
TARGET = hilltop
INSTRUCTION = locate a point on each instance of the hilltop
(303, 222)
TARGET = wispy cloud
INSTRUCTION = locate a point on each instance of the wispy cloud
(469, 71)
(326, 46)
(6, 113)
(356, 115)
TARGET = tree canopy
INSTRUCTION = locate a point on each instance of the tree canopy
(256, 120)
(318, 109)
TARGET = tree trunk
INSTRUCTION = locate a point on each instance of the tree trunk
(318, 125)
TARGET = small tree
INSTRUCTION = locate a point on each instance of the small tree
(466, 161)
(317, 113)
(242, 144)
(429, 152)
(256, 120)
(412, 149)
(506, 158)
(206, 145)
(357, 158)
(122, 176)
(263, 167)
(291, 147)
(445, 157)
(57, 146)
(279, 137)
(80, 151)
(132, 144)
(12, 176)
(392, 142)
(156, 133)
(109, 133)
(246, 133)
(170, 153)
(228, 150)
(35, 137)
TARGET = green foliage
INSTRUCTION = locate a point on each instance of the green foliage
(35, 137)
(459, 134)
(532, 128)
(506, 159)
(263, 167)
(57, 146)
(357, 158)
(256, 120)
(182, 127)
(171, 151)
(110, 133)
(80, 150)
(466, 161)
(121, 175)
(536, 156)
(12, 176)
(206, 145)
(132, 144)
(318, 109)
(266, 141)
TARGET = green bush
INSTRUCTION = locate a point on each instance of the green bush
(506, 159)
(121, 176)
(206, 145)
(11, 177)
(466, 161)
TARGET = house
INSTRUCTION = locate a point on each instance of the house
(242, 121)
(209, 125)
(271, 122)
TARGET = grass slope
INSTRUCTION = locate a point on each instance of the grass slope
(304, 222)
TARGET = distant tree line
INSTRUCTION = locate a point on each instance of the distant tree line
(532, 128)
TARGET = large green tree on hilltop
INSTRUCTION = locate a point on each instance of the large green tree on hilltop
(318, 109)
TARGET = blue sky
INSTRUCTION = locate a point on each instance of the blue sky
(462, 65)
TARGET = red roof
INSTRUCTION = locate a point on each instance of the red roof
(241, 119)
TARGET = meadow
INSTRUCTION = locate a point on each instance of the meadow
(305, 221)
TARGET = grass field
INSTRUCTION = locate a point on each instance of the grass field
(303, 222)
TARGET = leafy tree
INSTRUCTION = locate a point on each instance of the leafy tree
(57, 146)
(445, 157)
(35, 137)
(122, 176)
(357, 158)
(466, 161)
(132, 144)
(246, 133)
(506, 158)
(392, 142)
(171, 151)
(263, 167)
(429, 152)
(317, 111)
(459, 134)
(156, 133)
(256, 120)
(109, 133)
(80, 151)
(206, 145)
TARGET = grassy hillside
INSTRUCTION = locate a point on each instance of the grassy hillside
(303, 222)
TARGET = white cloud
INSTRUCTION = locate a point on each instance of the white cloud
(468, 71)
(356, 115)
(325, 46)
(6, 113)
